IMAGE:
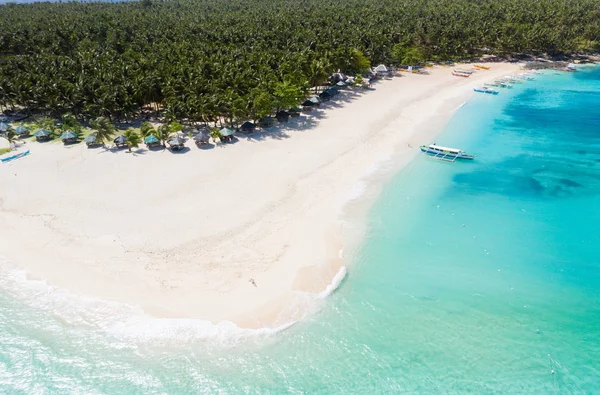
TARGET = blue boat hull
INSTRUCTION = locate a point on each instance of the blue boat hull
(437, 154)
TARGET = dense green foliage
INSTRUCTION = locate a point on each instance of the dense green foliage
(242, 59)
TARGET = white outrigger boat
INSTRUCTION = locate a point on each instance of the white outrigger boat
(486, 89)
(445, 153)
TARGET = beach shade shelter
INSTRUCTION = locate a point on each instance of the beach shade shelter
(282, 116)
(42, 135)
(226, 134)
(151, 141)
(325, 95)
(381, 70)
(68, 137)
(4, 127)
(295, 112)
(120, 141)
(247, 127)
(266, 122)
(202, 138)
(91, 140)
(22, 131)
(176, 143)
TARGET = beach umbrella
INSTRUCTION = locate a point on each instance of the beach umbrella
(151, 139)
(21, 130)
(226, 132)
(3, 127)
(68, 135)
(121, 139)
(42, 133)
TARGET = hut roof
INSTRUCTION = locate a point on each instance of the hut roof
(247, 125)
(21, 129)
(69, 134)
(121, 139)
(3, 127)
(381, 69)
(202, 136)
(151, 139)
(226, 132)
(42, 133)
(175, 141)
(92, 138)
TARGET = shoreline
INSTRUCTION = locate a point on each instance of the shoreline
(187, 246)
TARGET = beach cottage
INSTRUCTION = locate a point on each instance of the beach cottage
(69, 137)
(120, 141)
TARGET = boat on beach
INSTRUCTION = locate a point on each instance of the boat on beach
(502, 84)
(487, 90)
(445, 153)
(458, 73)
(481, 67)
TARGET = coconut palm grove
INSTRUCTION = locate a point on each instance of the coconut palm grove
(201, 60)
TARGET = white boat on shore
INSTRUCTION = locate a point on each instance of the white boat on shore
(445, 153)
(487, 90)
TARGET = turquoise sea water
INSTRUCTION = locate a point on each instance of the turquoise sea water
(479, 277)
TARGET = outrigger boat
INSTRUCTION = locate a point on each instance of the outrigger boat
(445, 153)
(485, 89)
(461, 73)
(478, 66)
(502, 84)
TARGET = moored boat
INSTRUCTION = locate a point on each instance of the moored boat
(445, 153)
(485, 89)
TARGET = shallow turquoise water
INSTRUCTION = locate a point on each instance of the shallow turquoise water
(478, 277)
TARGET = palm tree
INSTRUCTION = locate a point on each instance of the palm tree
(146, 129)
(104, 129)
(11, 136)
(163, 134)
(133, 138)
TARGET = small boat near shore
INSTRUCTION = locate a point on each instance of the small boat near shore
(460, 74)
(481, 67)
(445, 153)
(487, 90)
(500, 84)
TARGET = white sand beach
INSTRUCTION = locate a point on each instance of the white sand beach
(182, 234)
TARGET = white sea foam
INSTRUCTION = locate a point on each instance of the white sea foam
(127, 323)
(335, 283)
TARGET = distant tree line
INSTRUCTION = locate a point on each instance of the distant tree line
(243, 59)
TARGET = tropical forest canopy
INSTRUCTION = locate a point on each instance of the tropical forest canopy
(242, 59)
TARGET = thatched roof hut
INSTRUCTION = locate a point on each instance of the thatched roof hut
(22, 131)
(247, 127)
(4, 127)
(91, 140)
(42, 135)
(282, 116)
(202, 138)
(176, 143)
(151, 141)
(69, 137)
(120, 141)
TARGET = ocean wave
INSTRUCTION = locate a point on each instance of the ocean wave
(130, 324)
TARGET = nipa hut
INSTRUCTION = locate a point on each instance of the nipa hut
(68, 137)
(247, 127)
(120, 141)
(91, 140)
(226, 134)
(151, 141)
(282, 116)
(176, 143)
(42, 135)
